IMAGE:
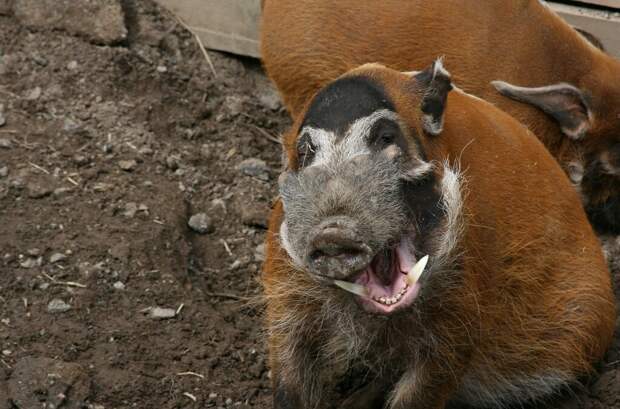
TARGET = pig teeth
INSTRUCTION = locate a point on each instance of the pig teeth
(416, 271)
(352, 288)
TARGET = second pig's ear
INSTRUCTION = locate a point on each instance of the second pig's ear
(435, 84)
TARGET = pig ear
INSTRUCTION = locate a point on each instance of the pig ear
(564, 102)
(435, 83)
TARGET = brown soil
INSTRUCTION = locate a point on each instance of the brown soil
(109, 151)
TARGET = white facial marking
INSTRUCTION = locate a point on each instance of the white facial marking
(354, 143)
(286, 244)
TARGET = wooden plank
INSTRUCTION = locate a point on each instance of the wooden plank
(226, 25)
(605, 25)
(614, 4)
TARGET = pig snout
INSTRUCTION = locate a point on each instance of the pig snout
(335, 249)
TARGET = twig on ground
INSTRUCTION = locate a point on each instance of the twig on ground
(67, 283)
(34, 165)
(189, 395)
(226, 295)
(266, 134)
(200, 45)
(188, 373)
(230, 253)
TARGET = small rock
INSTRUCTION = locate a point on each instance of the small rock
(37, 191)
(172, 162)
(256, 215)
(259, 253)
(201, 223)
(234, 105)
(162, 68)
(58, 306)
(72, 65)
(118, 285)
(39, 59)
(6, 352)
(34, 94)
(34, 252)
(56, 257)
(159, 313)
(270, 99)
(5, 143)
(212, 395)
(81, 160)
(31, 262)
(228, 402)
(69, 125)
(4, 171)
(131, 209)
(254, 167)
(62, 191)
(128, 165)
(101, 187)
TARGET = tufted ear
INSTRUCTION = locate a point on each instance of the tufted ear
(435, 83)
(564, 102)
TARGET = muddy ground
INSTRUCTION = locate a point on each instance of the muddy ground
(110, 140)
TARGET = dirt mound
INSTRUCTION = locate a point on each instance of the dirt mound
(108, 298)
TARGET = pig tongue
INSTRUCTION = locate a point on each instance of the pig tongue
(387, 276)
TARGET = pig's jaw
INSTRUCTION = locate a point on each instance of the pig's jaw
(384, 292)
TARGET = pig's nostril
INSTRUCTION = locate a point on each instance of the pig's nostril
(337, 252)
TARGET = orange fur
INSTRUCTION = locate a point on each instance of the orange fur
(307, 43)
(534, 293)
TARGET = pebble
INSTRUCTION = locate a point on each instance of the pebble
(5, 143)
(119, 285)
(259, 253)
(56, 257)
(72, 65)
(162, 69)
(36, 191)
(34, 94)
(62, 191)
(201, 223)
(34, 252)
(254, 167)
(31, 262)
(212, 395)
(159, 313)
(6, 352)
(228, 402)
(131, 209)
(128, 165)
(4, 171)
(81, 160)
(57, 306)
(255, 214)
(233, 104)
(172, 162)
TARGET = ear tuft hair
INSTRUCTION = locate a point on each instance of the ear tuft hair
(436, 83)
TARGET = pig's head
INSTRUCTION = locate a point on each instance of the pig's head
(588, 115)
(365, 208)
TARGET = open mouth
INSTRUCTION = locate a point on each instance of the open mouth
(390, 282)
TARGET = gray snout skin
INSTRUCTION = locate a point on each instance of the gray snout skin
(335, 249)
(338, 215)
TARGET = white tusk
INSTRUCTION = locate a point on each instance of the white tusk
(416, 271)
(352, 288)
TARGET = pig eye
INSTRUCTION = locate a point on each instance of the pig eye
(384, 134)
(305, 150)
